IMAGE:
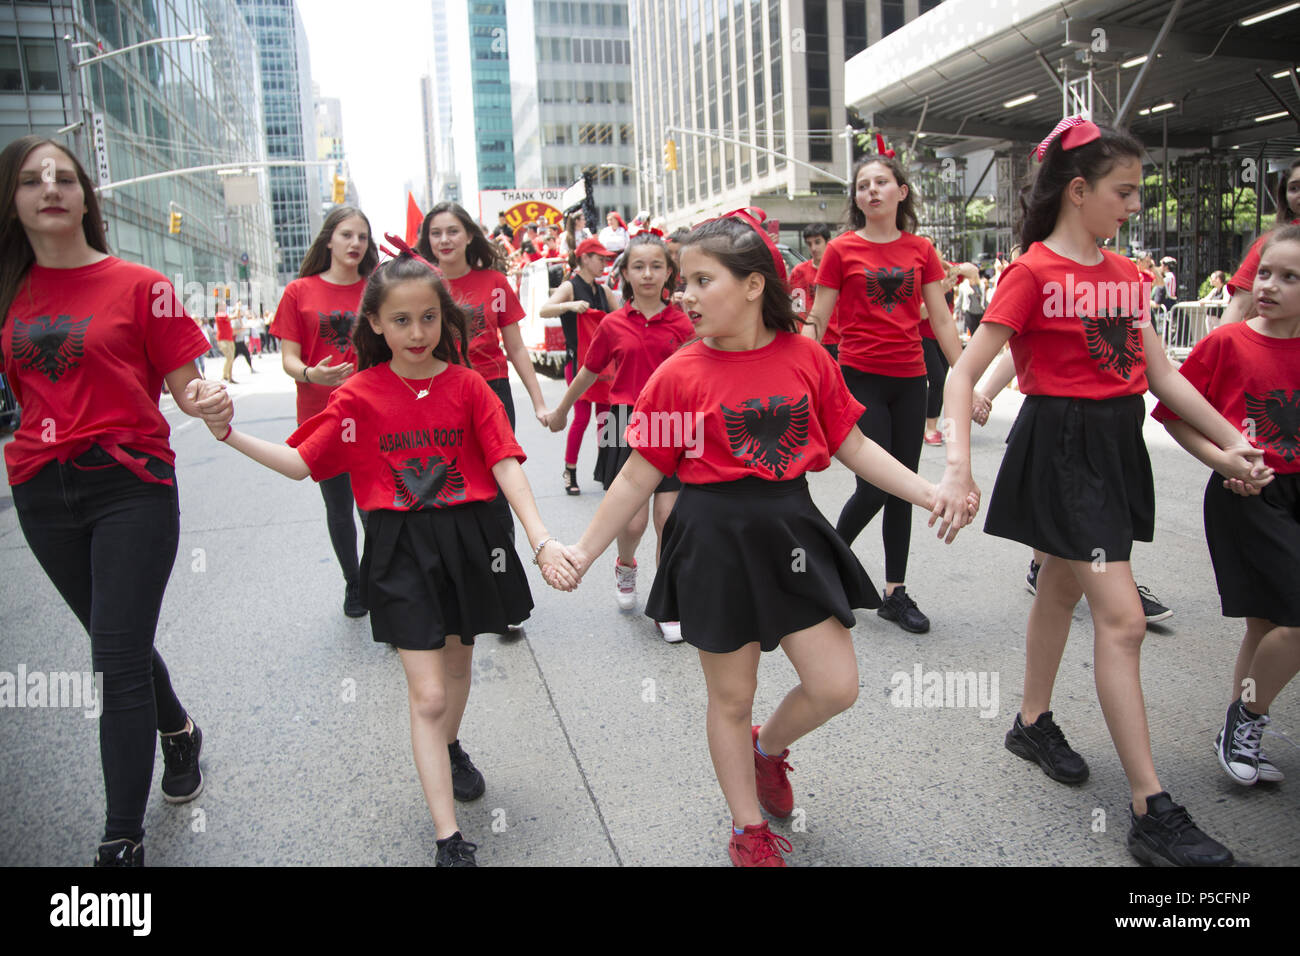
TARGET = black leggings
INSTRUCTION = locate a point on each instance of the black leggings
(894, 419)
(337, 492)
(241, 348)
(107, 542)
(500, 506)
(936, 373)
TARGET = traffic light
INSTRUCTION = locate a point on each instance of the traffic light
(340, 186)
(670, 155)
(174, 225)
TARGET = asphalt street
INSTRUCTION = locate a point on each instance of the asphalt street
(589, 728)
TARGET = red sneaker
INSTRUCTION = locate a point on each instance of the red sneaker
(758, 846)
(774, 791)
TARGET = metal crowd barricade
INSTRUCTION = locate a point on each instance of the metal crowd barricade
(1185, 325)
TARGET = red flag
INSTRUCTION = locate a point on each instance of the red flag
(414, 218)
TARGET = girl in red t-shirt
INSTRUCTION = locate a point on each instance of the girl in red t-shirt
(1242, 306)
(636, 339)
(749, 563)
(1250, 372)
(581, 300)
(315, 320)
(473, 272)
(1075, 481)
(88, 341)
(880, 275)
(426, 473)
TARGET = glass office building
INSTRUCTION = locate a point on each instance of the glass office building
(290, 124)
(494, 146)
(163, 107)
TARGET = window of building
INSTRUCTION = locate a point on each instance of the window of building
(11, 71)
(891, 16)
(556, 134)
(855, 27)
(42, 66)
(927, 5)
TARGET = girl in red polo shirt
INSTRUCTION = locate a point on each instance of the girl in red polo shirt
(315, 319)
(1075, 481)
(880, 275)
(88, 341)
(1250, 372)
(473, 272)
(1241, 306)
(636, 339)
(427, 444)
(749, 564)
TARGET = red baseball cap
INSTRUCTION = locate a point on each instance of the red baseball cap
(593, 246)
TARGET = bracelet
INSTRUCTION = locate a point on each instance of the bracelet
(538, 550)
(304, 375)
(229, 429)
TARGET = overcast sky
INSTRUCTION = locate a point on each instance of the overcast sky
(371, 56)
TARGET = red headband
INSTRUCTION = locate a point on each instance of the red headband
(1074, 131)
(880, 147)
(754, 217)
(403, 248)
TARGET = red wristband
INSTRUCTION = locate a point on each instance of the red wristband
(229, 429)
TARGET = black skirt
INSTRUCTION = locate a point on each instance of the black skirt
(1255, 547)
(1076, 479)
(428, 574)
(753, 560)
(614, 451)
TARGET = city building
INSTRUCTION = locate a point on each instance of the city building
(290, 118)
(571, 94)
(444, 181)
(164, 107)
(329, 146)
(479, 68)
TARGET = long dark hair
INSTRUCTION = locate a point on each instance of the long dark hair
(1284, 213)
(646, 239)
(1040, 202)
(317, 259)
(905, 219)
(742, 252)
(16, 255)
(481, 253)
(453, 345)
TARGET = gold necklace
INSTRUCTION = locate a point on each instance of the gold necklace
(422, 392)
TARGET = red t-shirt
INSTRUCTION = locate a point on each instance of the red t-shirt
(409, 454)
(638, 345)
(880, 287)
(1078, 329)
(1244, 277)
(224, 331)
(803, 277)
(1254, 382)
(588, 322)
(320, 316)
(490, 305)
(85, 352)
(775, 412)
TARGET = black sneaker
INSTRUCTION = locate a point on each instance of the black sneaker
(1154, 611)
(902, 610)
(352, 605)
(466, 781)
(1166, 836)
(1237, 745)
(1031, 579)
(455, 851)
(1043, 743)
(182, 780)
(120, 853)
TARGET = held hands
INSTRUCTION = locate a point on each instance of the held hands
(331, 375)
(1244, 468)
(558, 567)
(213, 404)
(980, 408)
(956, 502)
(543, 416)
(554, 420)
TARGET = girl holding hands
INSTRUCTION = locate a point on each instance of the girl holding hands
(1076, 480)
(427, 472)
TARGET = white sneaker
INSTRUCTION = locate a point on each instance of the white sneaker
(671, 631)
(1268, 773)
(624, 585)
